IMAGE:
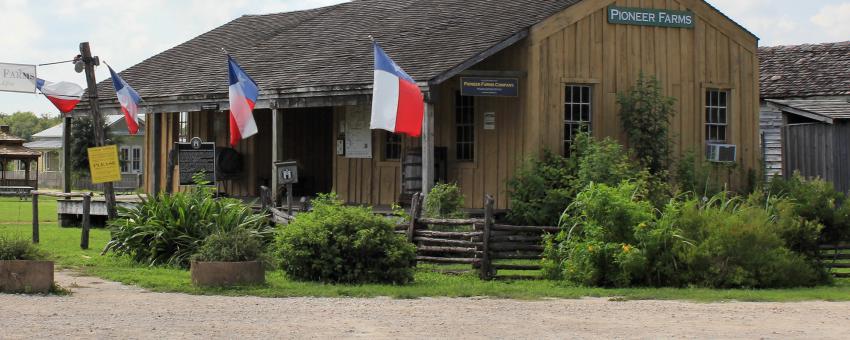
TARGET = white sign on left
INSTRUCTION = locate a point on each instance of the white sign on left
(17, 78)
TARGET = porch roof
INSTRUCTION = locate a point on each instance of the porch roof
(825, 111)
(328, 49)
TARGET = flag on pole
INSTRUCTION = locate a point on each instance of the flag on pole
(129, 100)
(63, 95)
(243, 96)
(397, 102)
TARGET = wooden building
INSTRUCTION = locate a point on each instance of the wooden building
(800, 72)
(503, 81)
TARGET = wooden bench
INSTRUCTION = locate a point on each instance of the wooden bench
(21, 191)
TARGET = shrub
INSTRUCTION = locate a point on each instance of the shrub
(168, 229)
(645, 114)
(336, 243)
(816, 201)
(444, 201)
(236, 245)
(19, 249)
(693, 174)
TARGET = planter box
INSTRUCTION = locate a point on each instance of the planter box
(26, 276)
(228, 273)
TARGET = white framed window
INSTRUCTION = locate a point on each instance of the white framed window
(130, 159)
(716, 116)
(183, 127)
(578, 113)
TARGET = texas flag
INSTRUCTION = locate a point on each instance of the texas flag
(397, 102)
(129, 100)
(63, 95)
(243, 95)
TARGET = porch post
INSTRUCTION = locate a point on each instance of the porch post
(66, 154)
(155, 155)
(428, 147)
(276, 148)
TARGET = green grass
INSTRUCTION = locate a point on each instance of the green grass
(16, 211)
(63, 246)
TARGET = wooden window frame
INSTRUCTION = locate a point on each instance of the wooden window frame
(569, 122)
(471, 125)
(386, 143)
(183, 127)
(713, 110)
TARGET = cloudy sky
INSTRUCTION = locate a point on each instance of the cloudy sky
(126, 32)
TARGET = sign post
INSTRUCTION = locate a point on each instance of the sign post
(196, 157)
(287, 174)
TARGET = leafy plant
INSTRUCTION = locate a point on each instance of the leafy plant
(818, 202)
(645, 114)
(337, 243)
(444, 201)
(235, 245)
(18, 249)
(169, 229)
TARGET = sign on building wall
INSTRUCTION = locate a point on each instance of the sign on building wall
(103, 164)
(358, 136)
(196, 157)
(17, 78)
(489, 87)
(489, 120)
(650, 17)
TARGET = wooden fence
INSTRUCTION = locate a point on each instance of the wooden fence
(480, 242)
(836, 258)
(86, 196)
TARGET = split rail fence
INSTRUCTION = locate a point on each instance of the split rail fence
(479, 242)
(836, 258)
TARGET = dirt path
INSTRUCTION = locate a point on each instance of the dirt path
(102, 309)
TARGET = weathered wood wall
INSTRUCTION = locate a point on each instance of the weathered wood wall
(819, 150)
(770, 121)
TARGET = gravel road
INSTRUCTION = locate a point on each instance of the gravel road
(103, 309)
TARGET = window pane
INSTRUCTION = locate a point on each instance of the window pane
(722, 98)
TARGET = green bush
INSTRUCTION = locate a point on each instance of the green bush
(169, 228)
(19, 249)
(444, 201)
(236, 245)
(336, 243)
(818, 202)
(645, 114)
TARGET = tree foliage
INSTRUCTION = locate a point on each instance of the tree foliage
(82, 138)
(645, 114)
(26, 124)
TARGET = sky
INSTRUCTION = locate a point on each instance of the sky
(127, 32)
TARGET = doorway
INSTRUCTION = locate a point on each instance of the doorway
(307, 137)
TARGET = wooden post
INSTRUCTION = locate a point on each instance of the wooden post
(34, 217)
(486, 266)
(66, 155)
(276, 150)
(415, 211)
(84, 238)
(97, 120)
(155, 128)
(265, 197)
(289, 199)
(428, 149)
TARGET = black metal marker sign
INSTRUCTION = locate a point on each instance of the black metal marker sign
(196, 157)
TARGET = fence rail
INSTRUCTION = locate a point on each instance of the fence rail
(836, 258)
(86, 196)
(484, 246)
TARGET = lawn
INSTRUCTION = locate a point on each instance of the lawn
(63, 246)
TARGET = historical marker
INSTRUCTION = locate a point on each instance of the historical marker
(196, 157)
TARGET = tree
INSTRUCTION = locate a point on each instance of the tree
(25, 124)
(82, 138)
(645, 114)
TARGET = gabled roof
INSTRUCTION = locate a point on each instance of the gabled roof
(329, 47)
(805, 70)
(825, 111)
(56, 130)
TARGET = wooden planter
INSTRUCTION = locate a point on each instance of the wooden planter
(19, 276)
(228, 273)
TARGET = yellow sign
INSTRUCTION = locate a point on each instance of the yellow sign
(103, 164)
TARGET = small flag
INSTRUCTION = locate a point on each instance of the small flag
(243, 93)
(129, 100)
(397, 102)
(63, 95)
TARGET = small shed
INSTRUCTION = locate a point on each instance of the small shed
(816, 139)
(12, 149)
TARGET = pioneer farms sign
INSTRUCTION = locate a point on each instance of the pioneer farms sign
(17, 78)
(650, 17)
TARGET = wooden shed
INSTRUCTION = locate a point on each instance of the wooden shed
(503, 81)
(816, 139)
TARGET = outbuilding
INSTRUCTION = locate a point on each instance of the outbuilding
(503, 81)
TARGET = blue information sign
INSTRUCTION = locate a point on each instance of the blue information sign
(489, 87)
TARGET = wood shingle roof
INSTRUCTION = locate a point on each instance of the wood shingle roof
(805, 70)
(329, 47)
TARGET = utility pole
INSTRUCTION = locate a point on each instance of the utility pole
(97, 120)
(66, 154)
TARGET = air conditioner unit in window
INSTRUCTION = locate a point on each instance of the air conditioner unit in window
(721, 153)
